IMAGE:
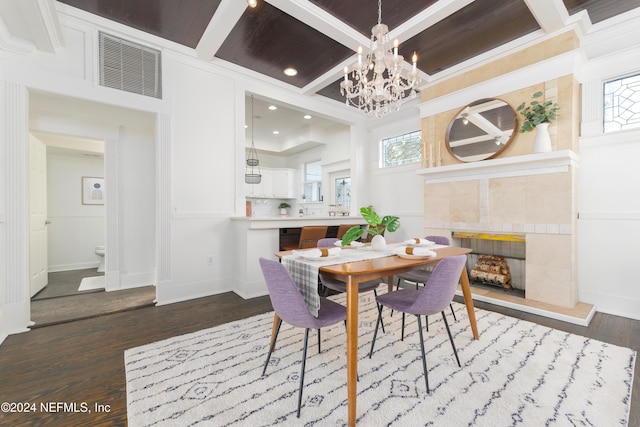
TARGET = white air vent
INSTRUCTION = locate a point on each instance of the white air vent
(129, 66)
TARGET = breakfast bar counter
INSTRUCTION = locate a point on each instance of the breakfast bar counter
(256, 237)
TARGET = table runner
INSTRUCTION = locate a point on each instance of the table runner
(305, 272)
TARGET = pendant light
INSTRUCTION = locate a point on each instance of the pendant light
(252, 170)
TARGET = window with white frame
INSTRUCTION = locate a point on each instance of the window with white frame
(622, 104)
(401, 150)
(313, 181)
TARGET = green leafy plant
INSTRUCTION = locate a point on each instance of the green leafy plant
(537, 112)
(376, 225)
(284, 205)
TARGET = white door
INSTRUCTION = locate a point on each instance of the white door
(38, 261)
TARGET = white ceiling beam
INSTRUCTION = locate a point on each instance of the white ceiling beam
(41, 18)
(551, 15)
(324, 22)
(223, 21)
(425, 19)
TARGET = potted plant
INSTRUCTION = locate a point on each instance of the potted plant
(377, 226)
(283, 208)
(537, 115)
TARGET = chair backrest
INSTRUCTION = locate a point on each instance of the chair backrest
(342, 229)
(327, 242)
(286, 299)
(440, 240)
(440, 288)
(310, 235)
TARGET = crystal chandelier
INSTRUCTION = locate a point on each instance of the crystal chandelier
(379, 84)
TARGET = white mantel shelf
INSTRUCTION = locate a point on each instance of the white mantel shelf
(530, 164)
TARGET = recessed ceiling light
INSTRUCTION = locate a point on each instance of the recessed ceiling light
(272, 107)
(275, 132)
(307, 117)
(291, 72)
(246, 126)
(252, 3)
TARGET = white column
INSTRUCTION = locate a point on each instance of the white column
(112, 229)
(163, 199)
(15, 303)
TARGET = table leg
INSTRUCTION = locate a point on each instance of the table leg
(468, 301)
(276, 319)
(390, 284)
(352, 348)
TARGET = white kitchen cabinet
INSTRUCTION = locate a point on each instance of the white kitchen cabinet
(275, 183)
(282, 183)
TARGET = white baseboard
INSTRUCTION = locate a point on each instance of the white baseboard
(613, 304)
(169, 292)
(69, 267)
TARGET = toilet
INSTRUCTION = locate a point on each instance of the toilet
(100, 253)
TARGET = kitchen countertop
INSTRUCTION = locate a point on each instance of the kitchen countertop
(295, 221)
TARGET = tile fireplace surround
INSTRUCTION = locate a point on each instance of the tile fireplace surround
(534, 195)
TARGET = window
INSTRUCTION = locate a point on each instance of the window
(622, 104)
(400, 150)
(343, 192)
(313, 181)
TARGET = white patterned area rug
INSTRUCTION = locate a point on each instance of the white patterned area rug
(517, 374)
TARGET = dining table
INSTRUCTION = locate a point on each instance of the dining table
(356, 272)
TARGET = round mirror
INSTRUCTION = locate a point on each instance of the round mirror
(481, 130)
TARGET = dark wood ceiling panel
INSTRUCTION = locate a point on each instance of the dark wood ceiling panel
(477, 28)
(599, 10)
(182, 21)
(267, 40)
(362, 15)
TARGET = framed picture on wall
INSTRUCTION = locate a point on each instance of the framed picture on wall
(92, 190)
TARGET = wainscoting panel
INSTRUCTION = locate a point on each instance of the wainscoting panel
(72, 242)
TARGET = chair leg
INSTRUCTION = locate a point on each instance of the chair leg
(375, 331)
(451, 339)
(402, 336)
(426, 320)
(272, 347)
(397, 287)
(379, 309)
(424, 358)
(453, 313)
(318, 340)
(304, 362)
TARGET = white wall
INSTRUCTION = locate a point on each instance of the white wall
(203, 164)
(74, 229)
(395, 190)
(609, 197)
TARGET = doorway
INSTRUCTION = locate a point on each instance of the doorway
(121, 145)
(74, 203)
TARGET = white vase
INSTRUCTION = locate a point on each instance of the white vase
(542, 142)
(283, 212)
(378, 243)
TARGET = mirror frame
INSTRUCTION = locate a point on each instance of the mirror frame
(459, 116)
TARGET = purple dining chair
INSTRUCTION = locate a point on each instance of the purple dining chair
(421, 276)
(434, 297)
(289, 305)
(339, 286)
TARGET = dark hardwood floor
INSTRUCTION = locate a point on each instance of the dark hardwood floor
(65, 283)
(83, 361)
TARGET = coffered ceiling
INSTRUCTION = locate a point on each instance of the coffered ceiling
(319, 37)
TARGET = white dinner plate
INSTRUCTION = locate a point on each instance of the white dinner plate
(318, 257)
(422, 245)
(353, 244)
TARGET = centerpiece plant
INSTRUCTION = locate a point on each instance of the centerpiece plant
(377, 226)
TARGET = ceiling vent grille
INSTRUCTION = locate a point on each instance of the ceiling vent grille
(129, 66)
